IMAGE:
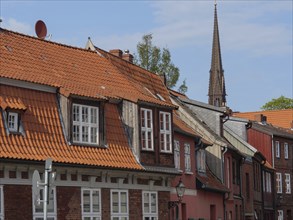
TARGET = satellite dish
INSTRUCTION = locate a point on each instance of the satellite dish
(41, 29)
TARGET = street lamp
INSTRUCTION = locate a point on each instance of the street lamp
(180, 189)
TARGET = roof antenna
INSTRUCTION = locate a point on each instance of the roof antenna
(215, 2)
(0, 22)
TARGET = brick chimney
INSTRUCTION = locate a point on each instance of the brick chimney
(260, 118)
(116, 52)
(127, 56)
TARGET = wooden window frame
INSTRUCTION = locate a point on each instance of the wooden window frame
(279, 183)
(149, 215)
(286, 151)
(119, 215)
(145, 130)
(277, 144)
(177, 154)
(165, 133)
(187, 158)
(288, 183)
(91, 214)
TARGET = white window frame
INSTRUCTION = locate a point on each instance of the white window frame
(151, 215)
(279, 182)
(177, 154)
(288, 183)
(286, 151)
(145, 130)
(187, 157)
(280, 215)
(91, 214)
(201, 158)
(119, 215)
(277, 146)
(1, 203)
(50, 215)
(80, 124)
(14, 122)
(165, 132)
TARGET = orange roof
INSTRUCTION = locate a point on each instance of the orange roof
(280, 118)
(147, 83)
(44, 135)
(75, 71)
(11, 102)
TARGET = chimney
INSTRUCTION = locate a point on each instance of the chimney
(116, 52)
(260, 118)
(127, 56)
(164, 78)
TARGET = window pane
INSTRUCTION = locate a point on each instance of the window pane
(75, 133)
(85, 133)
(153, 203)
(115, 200)
(84, 114)
(142, 118)
(75, 113)
(143, 140)
(167, 122)
(149, 140)
(96, 201)
(94, 137)
(94, 115)
(149, 119)
(161, 121)
(123, 197)
(86, 201)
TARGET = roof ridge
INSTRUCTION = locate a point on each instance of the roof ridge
(46, 41)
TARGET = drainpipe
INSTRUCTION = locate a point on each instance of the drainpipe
(223, 178)
(273, 151)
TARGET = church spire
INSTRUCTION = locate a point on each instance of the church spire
(217, 90)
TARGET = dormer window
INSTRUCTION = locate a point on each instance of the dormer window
(12, 121)
(165, 132)
(85, 128)
(147, 129)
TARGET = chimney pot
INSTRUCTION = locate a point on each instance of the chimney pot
(116, 52)
(128, 57)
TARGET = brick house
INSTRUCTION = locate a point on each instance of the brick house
(276, 145)
(258, 200)
(106, 124)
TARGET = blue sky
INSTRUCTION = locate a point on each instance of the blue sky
(256, 38)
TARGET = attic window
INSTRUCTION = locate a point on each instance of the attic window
(12, 121)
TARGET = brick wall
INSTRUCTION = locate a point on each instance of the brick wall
(163, 199)
(68, 203)
(135, 204)
(18, 202)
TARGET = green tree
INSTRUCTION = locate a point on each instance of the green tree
(280, 103)
(157, 60)
(183, 87)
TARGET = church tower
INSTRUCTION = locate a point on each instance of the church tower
(217, 91)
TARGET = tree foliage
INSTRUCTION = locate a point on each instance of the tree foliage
(183, 87)
(280, 103)
(157, 60)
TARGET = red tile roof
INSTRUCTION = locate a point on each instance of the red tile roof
(76, 71)
(44, 135)
(279, 118)
(11, 102)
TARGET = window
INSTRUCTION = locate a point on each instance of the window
(177, 154)
(119, 205)
(85, 124)
(187, 157)
(277, 145)
(201, 160)
(286, 151)
(280, 214)
(165, 132)
(1, 204)
(147, 129)
(12, 121)
(228, 173)
(268, 182)
(236, 172)
(279, 182)
(51, 207)
(91, 204)
(150, 205)
(288, 183)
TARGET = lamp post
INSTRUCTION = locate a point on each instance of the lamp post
(180, 189)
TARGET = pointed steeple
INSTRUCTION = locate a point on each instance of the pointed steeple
(217, 91)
